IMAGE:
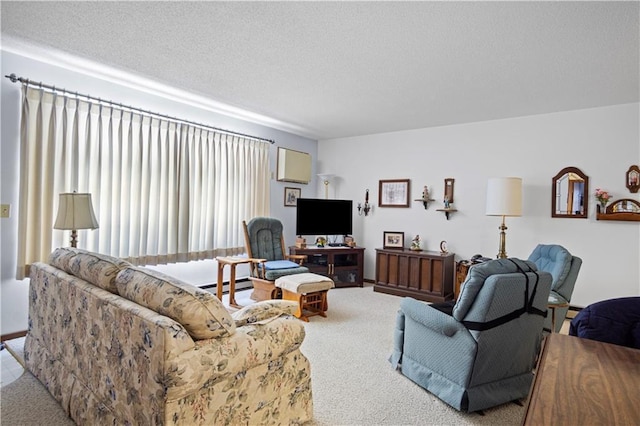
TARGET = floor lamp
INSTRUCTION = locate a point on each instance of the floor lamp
(504, 198)
(326, 179)
(75, 211)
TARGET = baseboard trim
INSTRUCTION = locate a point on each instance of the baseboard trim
(241, 284)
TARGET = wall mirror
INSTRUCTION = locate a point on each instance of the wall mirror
(570, 194)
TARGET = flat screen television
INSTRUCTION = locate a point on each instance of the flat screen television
(324, 217)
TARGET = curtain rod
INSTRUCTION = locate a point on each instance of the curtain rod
(41, 85)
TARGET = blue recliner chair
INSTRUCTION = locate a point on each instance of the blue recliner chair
(564, 268)
(484, 353)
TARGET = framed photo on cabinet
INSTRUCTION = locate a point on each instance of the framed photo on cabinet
(393, 239)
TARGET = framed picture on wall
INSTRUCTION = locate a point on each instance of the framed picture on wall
(291, 196)
(393, 239)
(393, 193)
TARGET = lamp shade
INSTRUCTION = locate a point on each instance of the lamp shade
(504, 196)
(326, 177)
(75, 211)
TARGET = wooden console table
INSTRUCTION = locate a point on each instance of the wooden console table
(584, 382)
(423, 275)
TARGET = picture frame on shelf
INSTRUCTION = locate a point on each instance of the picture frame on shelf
(291, 196)
(393, 193)
(393, 239)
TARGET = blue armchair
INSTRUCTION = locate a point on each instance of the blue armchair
(564, 269)
(484, 353)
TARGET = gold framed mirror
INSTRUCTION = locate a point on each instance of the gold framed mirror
(570, 194)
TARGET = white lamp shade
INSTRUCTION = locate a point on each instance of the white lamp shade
(504, 196)
(326, 177)
(75, 211)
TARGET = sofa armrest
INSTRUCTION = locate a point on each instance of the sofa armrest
(228, 358)
(263, 312)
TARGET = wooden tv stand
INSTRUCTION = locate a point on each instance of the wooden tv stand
(344, 265)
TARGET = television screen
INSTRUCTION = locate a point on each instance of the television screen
(324, 217)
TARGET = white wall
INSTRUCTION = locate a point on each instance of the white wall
(14, 303)
(602, 142)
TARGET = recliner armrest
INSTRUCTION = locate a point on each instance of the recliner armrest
(431, 318)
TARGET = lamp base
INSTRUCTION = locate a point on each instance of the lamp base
(502, 252)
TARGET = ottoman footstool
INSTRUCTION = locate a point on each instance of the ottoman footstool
(309, 291)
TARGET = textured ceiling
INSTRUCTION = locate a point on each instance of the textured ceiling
(336, 69)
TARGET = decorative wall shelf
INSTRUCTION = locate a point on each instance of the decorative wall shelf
(424, 202)
(447, 212)
(625, 209)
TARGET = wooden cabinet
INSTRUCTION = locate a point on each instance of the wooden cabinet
(462, 269)
(423, 275)
(344, 265)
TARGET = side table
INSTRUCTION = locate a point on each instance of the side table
(233, 262)
(554, 304)
(462, 269)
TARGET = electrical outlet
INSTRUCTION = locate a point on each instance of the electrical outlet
(5, 210)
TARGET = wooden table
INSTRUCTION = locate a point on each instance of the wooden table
(233, 262)
(584, 382)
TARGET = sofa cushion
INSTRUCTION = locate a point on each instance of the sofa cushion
(280, 264)
(61, 258)
(199, 312)
(98, 269)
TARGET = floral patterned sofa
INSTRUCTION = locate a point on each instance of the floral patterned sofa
(117, 344)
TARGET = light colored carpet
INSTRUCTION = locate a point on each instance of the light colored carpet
(353, 382)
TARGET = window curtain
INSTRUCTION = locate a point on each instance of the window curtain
(163, 191)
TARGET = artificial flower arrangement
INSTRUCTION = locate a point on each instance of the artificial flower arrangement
(603, 197)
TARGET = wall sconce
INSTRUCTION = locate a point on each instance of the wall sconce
(367, 207)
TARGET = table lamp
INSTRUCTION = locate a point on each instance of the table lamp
(75, 211)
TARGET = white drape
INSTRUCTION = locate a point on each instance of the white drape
(162, 191)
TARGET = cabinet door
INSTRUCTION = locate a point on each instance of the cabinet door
(318, 263)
